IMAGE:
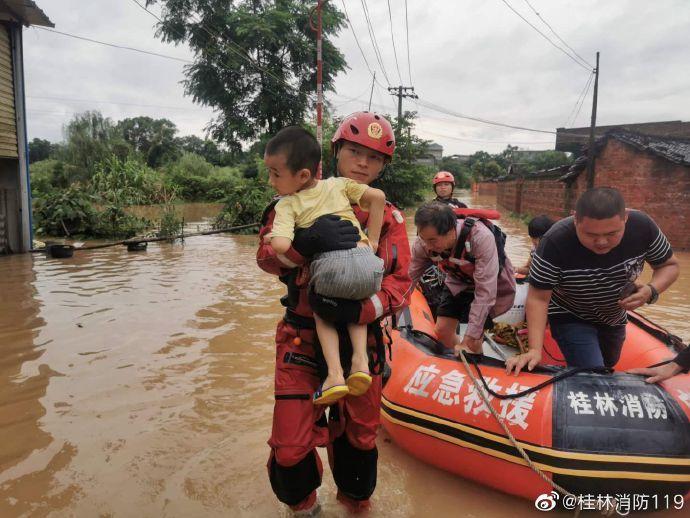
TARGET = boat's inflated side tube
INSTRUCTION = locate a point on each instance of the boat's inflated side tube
(477, 213)
(625, 423)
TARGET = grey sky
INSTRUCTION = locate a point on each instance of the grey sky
(474, 57)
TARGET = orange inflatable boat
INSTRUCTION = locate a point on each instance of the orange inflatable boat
(591, 433)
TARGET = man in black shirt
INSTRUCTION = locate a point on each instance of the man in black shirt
(583, 279)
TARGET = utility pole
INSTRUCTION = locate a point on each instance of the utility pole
(319, 73)
(400, 92)
(372, 91)
(590, 152)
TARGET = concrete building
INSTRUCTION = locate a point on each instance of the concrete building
(15, 189)
(433, 155)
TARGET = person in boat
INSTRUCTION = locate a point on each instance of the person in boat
(362, 146)
(292, 158)
(680, 363)
(583, 279)
(476, 287)
(444, 185)
(536, 228)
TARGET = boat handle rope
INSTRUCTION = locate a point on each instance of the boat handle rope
(516, 444)
(554, 379)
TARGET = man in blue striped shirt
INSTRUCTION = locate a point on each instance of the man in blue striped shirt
(584, 277)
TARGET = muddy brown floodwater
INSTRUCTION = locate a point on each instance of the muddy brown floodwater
(141, 385)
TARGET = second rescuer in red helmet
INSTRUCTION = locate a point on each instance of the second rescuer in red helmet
(444, 183)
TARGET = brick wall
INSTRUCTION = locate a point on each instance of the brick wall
(509, 194)
(544, 196)
(649, 183)
(487, 188)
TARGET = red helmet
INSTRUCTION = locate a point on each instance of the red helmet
(368, 129)
(444, 176)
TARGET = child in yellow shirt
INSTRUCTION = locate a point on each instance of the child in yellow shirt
(292, 157)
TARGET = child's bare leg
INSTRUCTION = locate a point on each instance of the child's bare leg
(358, 337)
(328, 337)
(359, 380)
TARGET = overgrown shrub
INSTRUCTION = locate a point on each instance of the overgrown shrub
(245, 204)
(114, 222)
(127, 182)
(42, 176)
(64, 213)
(171, 222)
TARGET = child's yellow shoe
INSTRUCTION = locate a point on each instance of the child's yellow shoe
(358, 383)
(330, 395)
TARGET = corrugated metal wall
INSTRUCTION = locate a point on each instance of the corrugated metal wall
(8, 119)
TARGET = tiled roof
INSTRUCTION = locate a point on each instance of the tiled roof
(676, 150)
(672, 149)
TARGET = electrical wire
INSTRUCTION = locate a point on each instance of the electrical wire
(354, 35)
(447, 111)
(582, 102)
(578, 100)
(481, 141)
(119, 103)
(407, 40)
(574, 59)
(395, 53)
(372, 37)
(557, 36)
(113, 45)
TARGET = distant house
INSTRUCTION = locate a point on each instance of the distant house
(15, 189)
(575, 140)
(460, 159)
(526, 155)
(434, 154)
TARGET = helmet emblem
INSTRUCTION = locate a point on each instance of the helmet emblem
(375, 130)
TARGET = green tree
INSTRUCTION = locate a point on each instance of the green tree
(486, 170)
(202, 147)
(254, 60)
(153, 138)
(548, 160)
(91, 139)
(40, 149)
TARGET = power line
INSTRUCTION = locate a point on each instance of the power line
(557, 36)
(119, 103)
(113, 45)
(447, 111)
(481, 141)
(354, 34)
(407, 40)
(577, 101)
(372, 37)
(585, 66)
(395, 53)
(582, 102)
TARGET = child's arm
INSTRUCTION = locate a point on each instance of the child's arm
(283, 230)
(374, 201)
(280, 244)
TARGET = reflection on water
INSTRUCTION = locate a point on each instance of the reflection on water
(140, 384)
